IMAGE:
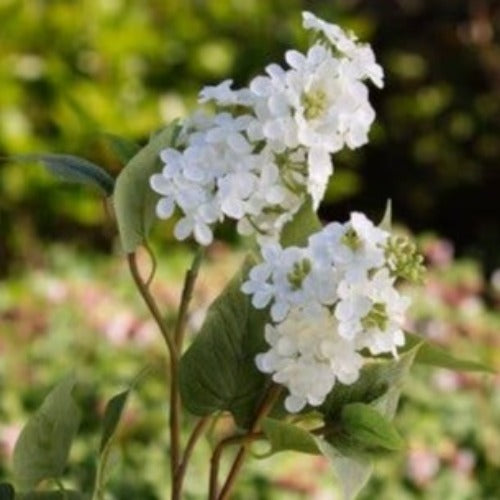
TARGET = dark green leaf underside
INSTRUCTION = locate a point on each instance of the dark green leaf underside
(73, 169)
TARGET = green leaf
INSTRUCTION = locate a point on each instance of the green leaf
(134, 199)
(51, 495)
(73, 169)
(386, 222)
(304, 223)
(42, 449)
(432, 355)
(379, 381)
(218, 370)
(125, 149)
(112, 415)
(7, 492)
(285, 436)
(369, 427)
(352, 471)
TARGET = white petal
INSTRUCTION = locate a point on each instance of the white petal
(203, 234)
(294, 404)
(295, 59)
(261, 299)
(165, 208)
(161, 185)
(183, 228)
(279, 310)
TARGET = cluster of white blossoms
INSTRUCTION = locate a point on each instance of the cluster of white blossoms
(264, 152)
(269, 145)
(328, 301)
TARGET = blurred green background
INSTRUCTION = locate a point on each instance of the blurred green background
(72, 70)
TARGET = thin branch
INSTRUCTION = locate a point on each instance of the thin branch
(150, 302)
(242, 439)
(265, 407)
(174, 420)
(217, 453)
(154, 265)
(187, 293)
(193, 439)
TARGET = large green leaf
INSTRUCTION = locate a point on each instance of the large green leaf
(134, 199)
(285, 436)
(432, 355)
(351, 470)
(73, 169)
(218, 370)
(369, 427)
(379, 381)
(42, 449)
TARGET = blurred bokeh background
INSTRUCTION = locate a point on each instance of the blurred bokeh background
(72, 70)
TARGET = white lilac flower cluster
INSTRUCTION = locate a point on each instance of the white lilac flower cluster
(269, 145)
(264, 152)
(328, 301)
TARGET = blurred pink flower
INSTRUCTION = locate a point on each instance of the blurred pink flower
(421, 466)
(8, 438)
(439, 252)
(446, 380)
(464, 461)
(145, 333)
(119, 327)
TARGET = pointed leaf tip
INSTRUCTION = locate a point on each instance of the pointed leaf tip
(386, 222)
(432, 355)
(73, 169)
(370, 428)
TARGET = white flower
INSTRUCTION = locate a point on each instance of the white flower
(257, 161)
(361, 58)
(307, 356)
(372, 313)
(223, 95)
(354, 247)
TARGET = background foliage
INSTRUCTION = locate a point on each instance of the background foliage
(71, 70)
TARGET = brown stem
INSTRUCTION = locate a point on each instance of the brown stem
(193, 439)
(150, 302)
(174, 370)
(154, 265)
(241, 439)
(265, 407)
(217, 453)
(187, 293)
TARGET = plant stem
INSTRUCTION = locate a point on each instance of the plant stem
(154, 265)
(153, 308)
(265, 407)
(179, 466)
(217, 453)
(193, 439)
(240, 439)
(174, 420)
(187, 293)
